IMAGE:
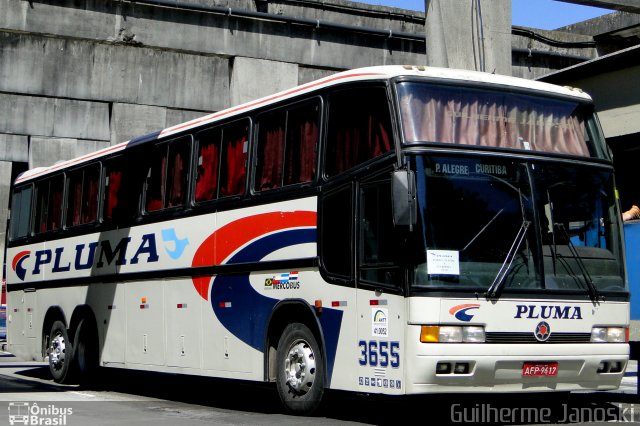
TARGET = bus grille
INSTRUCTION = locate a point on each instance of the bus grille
(498, 337)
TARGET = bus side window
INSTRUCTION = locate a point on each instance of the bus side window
(233, 167)
(177, 173)
(123, 184)
(21, 212)
(336, 245)
(208, 165)
(379, 247)
(270, 160)
(359, 128)
(49, 204)
(302, 142)
(287, 146)
(82, 198)
(167, 174)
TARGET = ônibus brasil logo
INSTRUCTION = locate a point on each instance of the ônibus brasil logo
(461, 312)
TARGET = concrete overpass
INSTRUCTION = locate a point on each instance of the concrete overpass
(632, 6)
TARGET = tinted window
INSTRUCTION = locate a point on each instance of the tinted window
(167, 176)
(49, 204)
(379, 244)
(222, 161)
(359, 128)
(82, 198)
(123, 186)
(21, 212)
(470, 116)
(287, 146)
(337, 219)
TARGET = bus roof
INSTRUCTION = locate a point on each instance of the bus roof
(360, 74)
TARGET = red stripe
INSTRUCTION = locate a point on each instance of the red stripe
(226, 240)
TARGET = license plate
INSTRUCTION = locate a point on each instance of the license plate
(540, 369)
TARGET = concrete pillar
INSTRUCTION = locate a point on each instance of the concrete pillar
(469, 34)
(5, 186)
(254, 78)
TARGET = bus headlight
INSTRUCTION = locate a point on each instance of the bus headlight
(451, 334)
(609, 335)
(473, 334)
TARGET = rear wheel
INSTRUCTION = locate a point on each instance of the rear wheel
(85, 360)
(300, 370)
(60, 353)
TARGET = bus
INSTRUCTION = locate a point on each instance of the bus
(396, 230)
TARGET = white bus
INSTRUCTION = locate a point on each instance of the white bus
(392, 230)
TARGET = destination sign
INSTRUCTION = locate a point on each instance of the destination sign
(471, 168)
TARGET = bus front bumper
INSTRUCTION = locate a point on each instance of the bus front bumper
(501, 367)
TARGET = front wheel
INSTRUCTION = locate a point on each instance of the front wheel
(60, 352)
(300, 370)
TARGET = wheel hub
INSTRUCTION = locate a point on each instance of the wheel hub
(300, 367)
(57, 351)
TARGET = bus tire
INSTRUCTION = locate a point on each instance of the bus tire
(299, 370)
(85, 358)
(60, 353)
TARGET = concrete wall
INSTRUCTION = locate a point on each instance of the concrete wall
(76, 76)
(110, 71)
(536, 52)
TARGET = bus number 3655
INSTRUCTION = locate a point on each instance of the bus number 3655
(379, 353)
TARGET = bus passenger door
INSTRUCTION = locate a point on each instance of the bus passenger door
(380, 280)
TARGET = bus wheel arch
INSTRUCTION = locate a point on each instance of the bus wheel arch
(295, 356)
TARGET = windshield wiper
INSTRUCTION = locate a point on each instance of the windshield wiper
(500, 279)
(591, 287)
(482, 230)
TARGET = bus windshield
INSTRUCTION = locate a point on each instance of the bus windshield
(499, 119)
(487, 222)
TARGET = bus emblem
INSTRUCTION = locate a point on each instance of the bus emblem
(543, 331)
(461, 312)
(17, 264)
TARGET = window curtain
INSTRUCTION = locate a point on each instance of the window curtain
(207, 180)
(177, 176)
(235, 166)
(55, 206)
(115, 179)
(357, 141)
(359, 128)
(74, 211)
(302, 140)
(495, 120)
(90, 197)
(270, 151)
(156, 182)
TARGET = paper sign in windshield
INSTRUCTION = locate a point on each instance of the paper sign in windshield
(443, 262)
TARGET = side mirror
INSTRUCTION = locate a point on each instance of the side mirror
(403, 195)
